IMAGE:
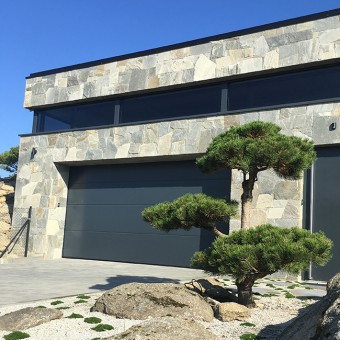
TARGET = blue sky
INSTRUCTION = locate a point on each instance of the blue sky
(38, 35)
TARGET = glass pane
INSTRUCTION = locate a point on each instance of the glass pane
(295, 87)
(171, 104)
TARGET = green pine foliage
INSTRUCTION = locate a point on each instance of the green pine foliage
(9, 160)
(264, 250)
(248, 255)
(258, 146)
(190, 210)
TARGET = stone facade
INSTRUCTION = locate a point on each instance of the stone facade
(6, 211)
(42, 180)
(288, 46)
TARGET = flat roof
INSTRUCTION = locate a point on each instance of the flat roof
(255, 29)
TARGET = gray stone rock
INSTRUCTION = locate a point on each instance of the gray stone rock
(166, 328)
(319, 321)
(285, 190)
(230, 311)
(27, 318)
(289, 38)
(142, 300)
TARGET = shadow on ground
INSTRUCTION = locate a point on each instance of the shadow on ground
(118, 280)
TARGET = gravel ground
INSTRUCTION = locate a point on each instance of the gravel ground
(271, 316)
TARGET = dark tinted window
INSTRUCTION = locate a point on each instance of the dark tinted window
(296, 87)
(74, 117)
(171, 104)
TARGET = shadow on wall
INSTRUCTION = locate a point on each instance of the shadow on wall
(118, 280)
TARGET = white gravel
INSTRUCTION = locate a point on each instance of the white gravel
(273, 311)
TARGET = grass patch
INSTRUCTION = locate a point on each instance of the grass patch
(270, 285)
(74, 316)
(62, 308)
(248, 324)
(248, 336)
(278, 288)
(56, 302)
(310, 288)
(16, 336)
(289, 295)
(102, 327)
(293, 286)
(92, 319)
(269, 295)
(40, 307)
(83, 297)
(80, 301)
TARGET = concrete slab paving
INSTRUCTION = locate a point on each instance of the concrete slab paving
(32, 279)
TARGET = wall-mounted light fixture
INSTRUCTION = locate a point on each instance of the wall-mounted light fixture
(332, 126)
(33, 152)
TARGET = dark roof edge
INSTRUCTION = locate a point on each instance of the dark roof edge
(255, 29)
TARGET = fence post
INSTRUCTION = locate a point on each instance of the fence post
(28, 229)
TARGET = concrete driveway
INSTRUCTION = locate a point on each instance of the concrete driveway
(32, 279)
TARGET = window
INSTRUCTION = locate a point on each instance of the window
(297, 87)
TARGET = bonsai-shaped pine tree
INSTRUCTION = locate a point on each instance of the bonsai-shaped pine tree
(255, 147)
(9, 160)
(248, 255)
(190, 210)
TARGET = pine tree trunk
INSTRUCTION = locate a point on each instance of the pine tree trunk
(218, 233)
(245, 292)
(246, 200)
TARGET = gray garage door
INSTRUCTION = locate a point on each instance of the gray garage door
(325, 198)
(104, 222)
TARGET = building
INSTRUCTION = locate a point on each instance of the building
(113, 136)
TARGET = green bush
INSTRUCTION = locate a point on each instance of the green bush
(249, 255)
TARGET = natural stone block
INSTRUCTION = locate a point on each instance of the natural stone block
(204, 69)
(286, 190)
(230, 311)
(264, 201)
(274, 213)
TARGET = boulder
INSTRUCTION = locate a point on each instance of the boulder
(166, 328)
(212, 288)
(230, 311)
(140, 301)
(27, 318)
(319, 321)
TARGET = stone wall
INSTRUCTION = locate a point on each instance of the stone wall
(42, 181)
(287, 46)
(6, 211)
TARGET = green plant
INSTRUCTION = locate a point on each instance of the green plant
(289, 295)
(74, 316)
(270, 285)
(310, 288)
(102, 328)
(188, 211)
(83, 297)
(255, 147)
(92, 320)
(248, 324)
(40, 307)
(80, 301)
(16, 336)
(249, 255)
(293, 286)
(62, 308)
(57, 302)
(248, 336)
(9, 160)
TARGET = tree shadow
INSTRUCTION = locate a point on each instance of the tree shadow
(118, 280)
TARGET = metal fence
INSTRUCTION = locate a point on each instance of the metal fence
(14, 233)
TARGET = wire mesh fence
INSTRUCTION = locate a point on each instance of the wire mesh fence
(14, 233)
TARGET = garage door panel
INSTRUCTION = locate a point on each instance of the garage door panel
(136, 195)
(114, 219)
(172, 250)
(103, 217)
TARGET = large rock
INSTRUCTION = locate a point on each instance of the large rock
(142, 300)
(319, 321)
(166, 328)
(212, 288)
(27, 318)
(230, 311)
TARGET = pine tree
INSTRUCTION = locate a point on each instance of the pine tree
(9, 160)
(256, 147)
(190, 210)
(249, 255)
